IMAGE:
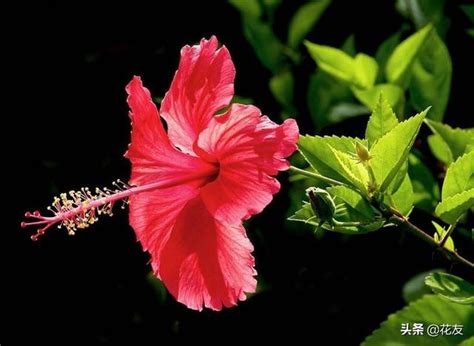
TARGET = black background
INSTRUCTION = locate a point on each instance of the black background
(66, 126)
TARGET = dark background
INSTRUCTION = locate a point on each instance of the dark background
(66, 126)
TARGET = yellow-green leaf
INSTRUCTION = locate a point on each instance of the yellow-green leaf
(390, 152)
(399, 65)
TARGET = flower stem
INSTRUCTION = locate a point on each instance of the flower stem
(316, 176)
(403, 223)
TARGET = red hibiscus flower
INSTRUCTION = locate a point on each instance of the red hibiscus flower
(192, 186)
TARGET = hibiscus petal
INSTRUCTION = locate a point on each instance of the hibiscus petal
(202, 85)
(205, 262)
(250, 149)
(154, 158)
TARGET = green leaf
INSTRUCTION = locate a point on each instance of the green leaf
(306, 216)
(428, 310)
(459, 141)
(415, 287)
(402, 198)
(391, 151)
(426, 190)
(467, 342)
(345, 110)
(282, 86)
(354, 172)
(440, 149)
(369, 98)
(332, 60)
(348, 45)
(324, 91)
(266, 45)
(381, 121)
(459, 176)
(318, 152)
(431, 81)
(365, 71)
(385, 50)
(451, 287)
(158, 287)
(304, 20)
(247, 8)
(439, 236)
(469, 11)
(399, 65)
(422, 12)
(450, 209)
(354, 200)
(259, 34)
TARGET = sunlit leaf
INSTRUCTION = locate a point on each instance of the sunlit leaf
(318, 153)
(459, 141)
(402, 198)
(459, 176)
(391, 151)
(332, 60)
(450, 209)
(440, 234)
(365, 71)
(369, 97)
(381, 121)
(399, 65)
(353, 171)
(430, 309)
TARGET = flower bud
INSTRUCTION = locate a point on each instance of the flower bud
(322, 204)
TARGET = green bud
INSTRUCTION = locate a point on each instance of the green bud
(322, 204)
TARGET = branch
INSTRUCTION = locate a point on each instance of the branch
(403, 223)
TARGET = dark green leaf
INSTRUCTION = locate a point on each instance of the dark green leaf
(324, 92)
(451, 287)
(158, 287)
(431, 81)
(266, 45)
(304, 20)
(248, 8)
(281, 86)
(469, 11)
(425, 188)
(385, 50)
(415, 288)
